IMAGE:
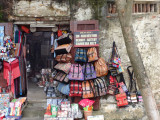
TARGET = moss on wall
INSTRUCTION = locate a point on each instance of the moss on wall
(96, 6)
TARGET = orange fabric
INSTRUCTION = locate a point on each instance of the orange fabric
(92, 54)
(101, 67)
(88, 89)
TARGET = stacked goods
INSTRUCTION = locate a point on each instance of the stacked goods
(65, 111)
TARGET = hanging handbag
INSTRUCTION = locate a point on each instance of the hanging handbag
(132, 86)
(64, 39)
(75, 89)
(61, 77)
(92, 54)
(121, 100)
(88, 71)
(111, 89)
(65, 58)
(80, 55)
(115, 62)
(101, 67)
(88, 89)
(63, 49)
(100, 86)
(63, 88)
(75, 72)
(65, 67)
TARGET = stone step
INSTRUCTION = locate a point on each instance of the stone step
(34, 110)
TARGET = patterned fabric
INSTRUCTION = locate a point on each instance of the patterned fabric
(61, 77)
(100, 86)
(88, 89)
(80, 55)
(65, 67)
(75, 89)
(75, 72)
(11, 72)
(88, 71)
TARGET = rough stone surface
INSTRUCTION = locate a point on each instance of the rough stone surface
(40, 8)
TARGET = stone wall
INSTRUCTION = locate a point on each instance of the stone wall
(41, 8)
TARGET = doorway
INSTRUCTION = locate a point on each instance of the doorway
(38, 58)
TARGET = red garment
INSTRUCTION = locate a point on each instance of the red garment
(11, 72)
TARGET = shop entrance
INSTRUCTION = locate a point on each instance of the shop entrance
(38, 58)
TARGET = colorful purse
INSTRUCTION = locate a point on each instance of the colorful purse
(75, 72)
(111, 90)
(63, 49)
(64, 39)
(101, 67)
(88, 71)
(65, 67)
(75, 89)
(80, 55)
(100, 86)
(88, 89)
(132, 87)
(65, 58)
(121, 100)
(61, 77)
(92, 54)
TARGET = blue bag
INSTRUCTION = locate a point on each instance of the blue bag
(81, 55)
(63, 88)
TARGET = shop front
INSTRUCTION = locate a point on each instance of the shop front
(61, 64)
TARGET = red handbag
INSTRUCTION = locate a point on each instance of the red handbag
(121, 100)
(75, 89)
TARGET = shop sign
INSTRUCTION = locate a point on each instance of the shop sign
(86, 39)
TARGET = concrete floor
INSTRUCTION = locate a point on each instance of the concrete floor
(35, 93)
(36, 103)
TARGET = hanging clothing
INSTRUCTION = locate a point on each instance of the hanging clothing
(11, 72)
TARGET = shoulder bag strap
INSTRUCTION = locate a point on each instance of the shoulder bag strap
(73, 70)
(122, 78)
(100, 85)
(104, 84)
(90, 69)
(85, 87)
(97, 86)
(131, 80)
(85, 67)
(91, 87)
(78, 87)
(78, 71)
